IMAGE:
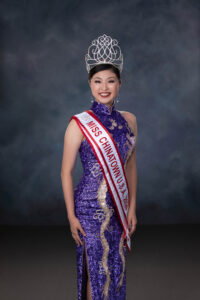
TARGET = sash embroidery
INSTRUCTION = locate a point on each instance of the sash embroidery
(109, 158)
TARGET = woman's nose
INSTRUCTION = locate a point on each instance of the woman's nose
(104, 86)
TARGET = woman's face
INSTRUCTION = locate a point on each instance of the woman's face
(104, 86)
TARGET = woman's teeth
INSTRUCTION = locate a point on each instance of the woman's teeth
(104, 94)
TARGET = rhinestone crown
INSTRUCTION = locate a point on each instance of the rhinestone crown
(104, 50)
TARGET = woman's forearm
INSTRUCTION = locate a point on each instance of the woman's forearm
(132, 183)
(67, 185)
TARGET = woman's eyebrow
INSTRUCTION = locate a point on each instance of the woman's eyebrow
(101, 78)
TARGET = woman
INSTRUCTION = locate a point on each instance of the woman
(94, 215)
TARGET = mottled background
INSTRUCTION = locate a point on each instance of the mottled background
(44, 81)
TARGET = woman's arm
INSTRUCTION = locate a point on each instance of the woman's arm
(131, 174)
(72, 140)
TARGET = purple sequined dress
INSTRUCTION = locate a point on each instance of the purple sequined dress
(103, 246)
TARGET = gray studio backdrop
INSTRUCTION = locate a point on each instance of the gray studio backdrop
(44, 82)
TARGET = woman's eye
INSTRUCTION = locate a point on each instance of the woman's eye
(110, 81)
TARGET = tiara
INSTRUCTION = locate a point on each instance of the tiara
(104, 50)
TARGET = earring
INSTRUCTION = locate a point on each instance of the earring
(92, 99)
(117, 99)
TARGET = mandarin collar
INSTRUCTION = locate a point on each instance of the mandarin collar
(101, 108)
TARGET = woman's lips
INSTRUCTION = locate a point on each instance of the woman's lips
(104, 95)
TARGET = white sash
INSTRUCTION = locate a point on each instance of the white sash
(111, 163)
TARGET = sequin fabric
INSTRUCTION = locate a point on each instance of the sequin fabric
(103, 246)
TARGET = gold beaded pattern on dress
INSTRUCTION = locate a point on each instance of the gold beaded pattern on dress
(101, 196)
(114, 124)
(100, 214)
(131, 141)
(103, 215)
(121, 244)
(95, 169)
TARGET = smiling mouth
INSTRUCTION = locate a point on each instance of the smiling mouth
(104, 94)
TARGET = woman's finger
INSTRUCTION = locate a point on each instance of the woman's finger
(79, 240)
(133, 228)
(74, 235)
(81, 230)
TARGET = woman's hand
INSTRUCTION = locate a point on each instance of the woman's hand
(75, 226)
(132, 222)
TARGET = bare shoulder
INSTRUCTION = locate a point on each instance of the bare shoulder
(131, 120)
(72, 125)
(73, 130)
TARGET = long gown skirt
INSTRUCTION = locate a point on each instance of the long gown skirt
(103, 250)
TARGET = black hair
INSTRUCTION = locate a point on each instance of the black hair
(102, 67)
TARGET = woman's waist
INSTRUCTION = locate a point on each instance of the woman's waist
(92, 200)
(88, 183)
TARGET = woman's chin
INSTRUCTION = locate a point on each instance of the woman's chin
(105, 100)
